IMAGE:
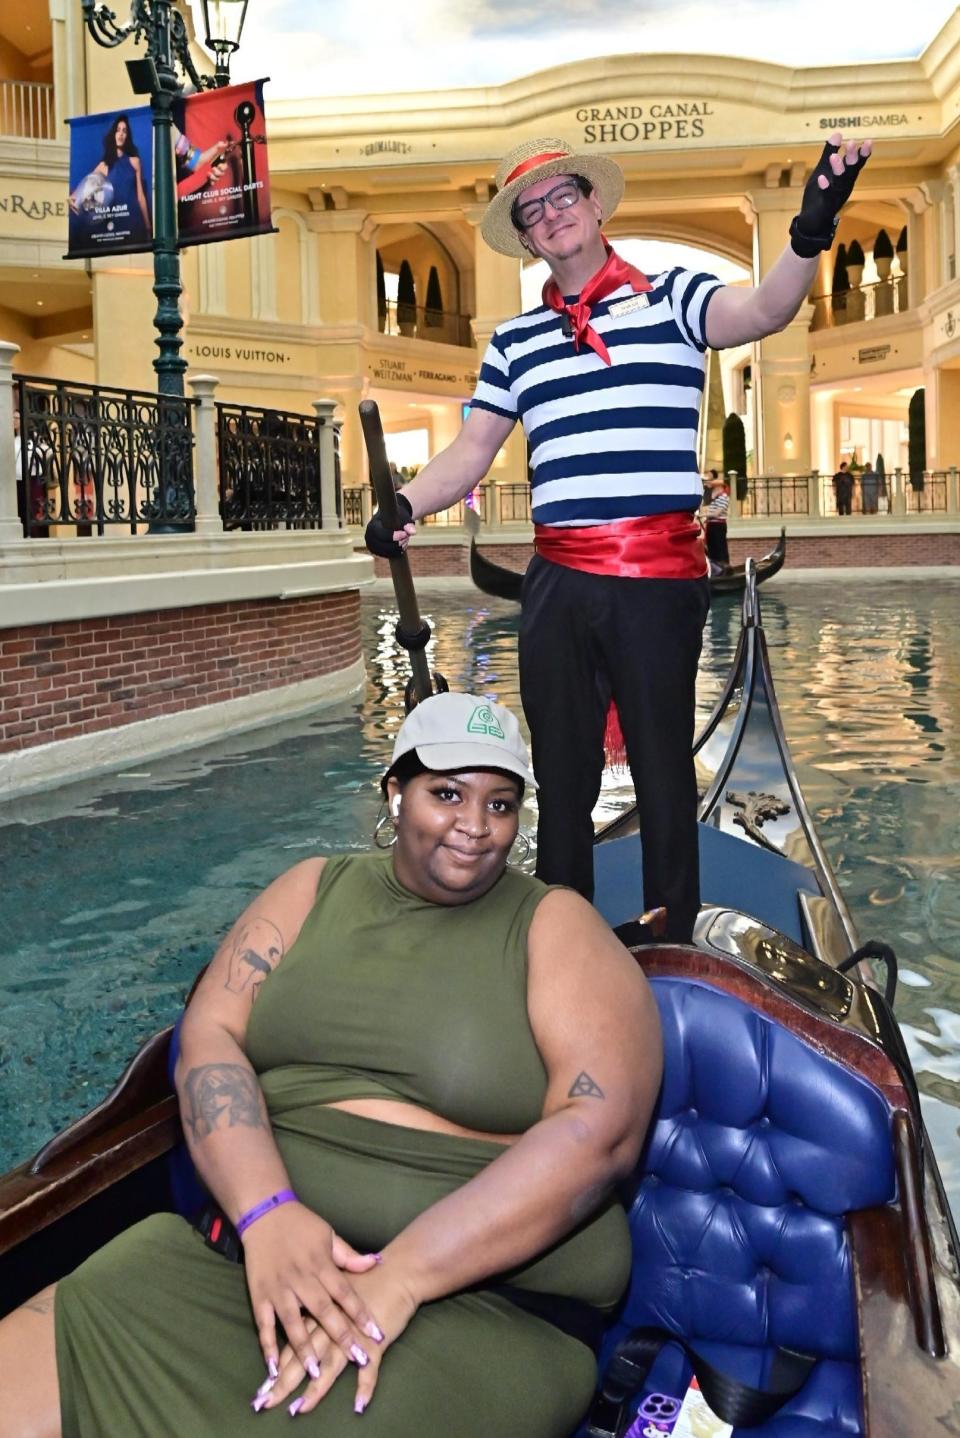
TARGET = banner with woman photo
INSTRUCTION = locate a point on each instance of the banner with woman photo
(111, 183)
(223, 178)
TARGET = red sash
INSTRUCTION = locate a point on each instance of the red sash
(655, 546)
(612, 274)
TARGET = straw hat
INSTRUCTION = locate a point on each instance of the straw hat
(537, 160)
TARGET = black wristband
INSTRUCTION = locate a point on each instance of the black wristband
(379, 538)
(808, 246)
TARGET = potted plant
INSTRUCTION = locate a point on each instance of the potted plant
(840, 287)
(735, 452)
(381, 296)
(433, 309)
(883, 259)
(902, 280)
(917, 441)
(406, 300)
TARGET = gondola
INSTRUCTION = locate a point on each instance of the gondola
(787, 1201)
(503, 583)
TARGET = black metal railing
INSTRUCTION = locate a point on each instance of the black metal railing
(865, 302)
(931, 497)
(94, 457)
(454, 515)
(269, 462)
(775, 496)
(514, 500)
(441, 326)
(353, 506)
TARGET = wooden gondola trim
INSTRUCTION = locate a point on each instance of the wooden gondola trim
(29, 1203)
(923, 1288)
(907, 1393)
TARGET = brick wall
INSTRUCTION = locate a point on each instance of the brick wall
(78, 677)
(826, 551)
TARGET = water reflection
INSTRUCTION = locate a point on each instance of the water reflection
(117, 890)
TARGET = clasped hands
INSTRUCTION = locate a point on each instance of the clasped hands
(297, 1269)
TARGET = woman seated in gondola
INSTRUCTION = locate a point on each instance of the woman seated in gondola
(409, 1080)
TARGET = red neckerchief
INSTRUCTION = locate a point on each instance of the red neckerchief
(612, 274)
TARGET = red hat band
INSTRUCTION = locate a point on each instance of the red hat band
(532, 164)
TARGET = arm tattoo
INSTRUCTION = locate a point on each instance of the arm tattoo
(584, 1086)
(256, 950)
(41, 1302)
(215, 1090)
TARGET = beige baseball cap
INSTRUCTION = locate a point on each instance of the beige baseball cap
(451, 732)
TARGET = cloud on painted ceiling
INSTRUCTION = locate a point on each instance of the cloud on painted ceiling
(327, 48)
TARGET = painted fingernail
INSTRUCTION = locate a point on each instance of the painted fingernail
(273, 1368)
(359, 1357)
(265, 1386)
(260, 1401)
(377, 1257)
(374, 1332)
(359, 1405)
(312, 1367)
(295, 1407)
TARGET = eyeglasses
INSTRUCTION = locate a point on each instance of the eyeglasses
(561, 197)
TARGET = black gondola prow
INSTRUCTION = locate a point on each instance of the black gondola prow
(413, 633)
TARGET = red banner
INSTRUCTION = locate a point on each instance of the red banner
(223, 177)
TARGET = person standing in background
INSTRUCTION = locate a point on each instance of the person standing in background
(843, 488)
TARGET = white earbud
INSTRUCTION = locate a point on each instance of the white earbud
(395, 806)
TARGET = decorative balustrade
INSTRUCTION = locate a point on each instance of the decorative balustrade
(27, 110)
(95, 457)
(441, 326)
(269, 469)
(862, 302)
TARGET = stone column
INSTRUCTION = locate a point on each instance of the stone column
(206, 470)
(330, 518)
(346, 265)
(782, 363)
(497, 293)
(917, 273)
(10, 526)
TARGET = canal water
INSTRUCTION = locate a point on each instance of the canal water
(116, 891)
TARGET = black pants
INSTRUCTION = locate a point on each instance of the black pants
(583, 638)
(716, 537)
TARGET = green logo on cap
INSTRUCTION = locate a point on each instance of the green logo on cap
(484, 721)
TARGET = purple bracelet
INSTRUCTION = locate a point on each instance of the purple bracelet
(286, 1195)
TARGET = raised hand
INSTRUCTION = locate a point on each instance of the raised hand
(295, 1262)
(825, 193)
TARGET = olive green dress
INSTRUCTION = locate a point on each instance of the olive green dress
(383, 995)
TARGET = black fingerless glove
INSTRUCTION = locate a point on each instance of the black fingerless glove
(814, 228)
(378, 537)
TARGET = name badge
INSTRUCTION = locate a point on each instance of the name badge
(627, 306)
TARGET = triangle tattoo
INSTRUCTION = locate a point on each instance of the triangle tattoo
(584, 1087)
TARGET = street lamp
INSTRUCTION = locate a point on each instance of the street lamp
(223, 26)
(160, 24)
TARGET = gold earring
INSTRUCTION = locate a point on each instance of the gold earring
(523, 843)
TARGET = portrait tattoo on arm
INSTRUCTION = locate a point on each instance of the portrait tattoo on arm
(213, 1092)
(584, 1086)
(255, 950)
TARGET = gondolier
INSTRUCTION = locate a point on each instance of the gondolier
(715, 522)
(606, 376)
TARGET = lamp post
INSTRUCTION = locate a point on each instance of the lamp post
(160, 24)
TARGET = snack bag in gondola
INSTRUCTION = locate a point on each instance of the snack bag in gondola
(663, 1416)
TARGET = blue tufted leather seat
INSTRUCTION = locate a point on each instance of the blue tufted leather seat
(758, 1147)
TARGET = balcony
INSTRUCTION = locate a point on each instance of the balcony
(438, 326)
(26, 110)
(862, 302)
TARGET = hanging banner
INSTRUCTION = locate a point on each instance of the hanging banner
(111, 185)
(223, 179)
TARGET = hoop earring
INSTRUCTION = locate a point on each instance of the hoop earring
(385, 833)
(522, 842)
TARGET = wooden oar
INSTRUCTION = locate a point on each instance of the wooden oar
(412, 631)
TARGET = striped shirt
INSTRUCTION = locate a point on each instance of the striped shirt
(718, 507)
(607, 442)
